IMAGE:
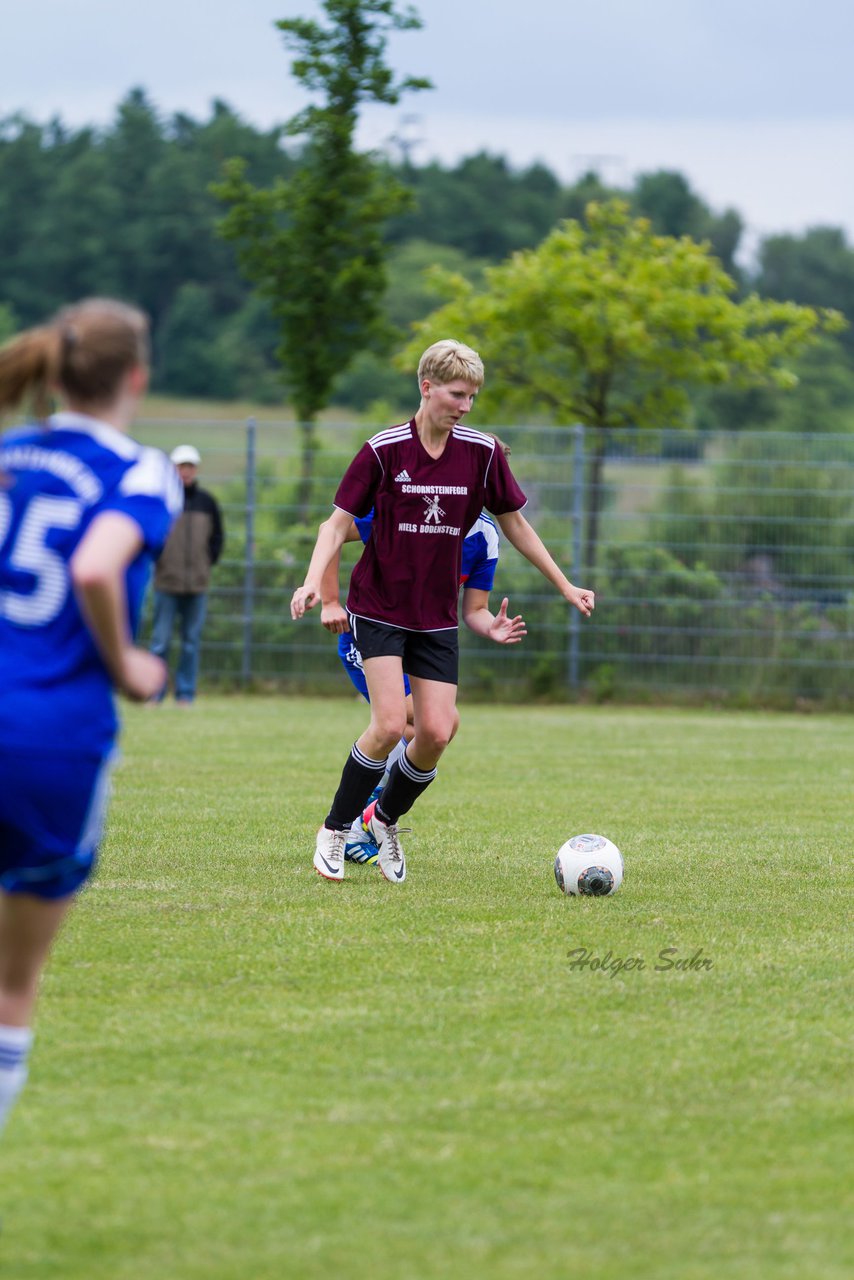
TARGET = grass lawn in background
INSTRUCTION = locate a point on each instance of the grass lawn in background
(244, 1071)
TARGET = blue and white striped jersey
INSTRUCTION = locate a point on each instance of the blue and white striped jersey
(54, 480)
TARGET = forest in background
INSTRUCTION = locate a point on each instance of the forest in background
(127, 210)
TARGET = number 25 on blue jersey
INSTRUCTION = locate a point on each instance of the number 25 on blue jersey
(32, 552)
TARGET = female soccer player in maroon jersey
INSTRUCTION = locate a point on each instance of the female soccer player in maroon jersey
(427, 480)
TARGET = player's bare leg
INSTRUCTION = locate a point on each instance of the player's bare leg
(28, 926)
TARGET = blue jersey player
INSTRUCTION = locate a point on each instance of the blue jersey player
(477, 576)
(83, 510)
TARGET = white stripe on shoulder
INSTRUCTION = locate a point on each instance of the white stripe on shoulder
(106, 435)
(487, 528)
(391, 435)
(153, 476)
(474, 437)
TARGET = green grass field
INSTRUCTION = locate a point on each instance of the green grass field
(242, 1071)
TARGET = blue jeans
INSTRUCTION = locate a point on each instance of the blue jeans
(191, 610)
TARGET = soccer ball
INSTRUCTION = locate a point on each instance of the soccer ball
(589, 865)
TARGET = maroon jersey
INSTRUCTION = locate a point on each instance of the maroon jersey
(409, 573)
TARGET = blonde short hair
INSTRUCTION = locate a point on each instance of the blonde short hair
(446, 361)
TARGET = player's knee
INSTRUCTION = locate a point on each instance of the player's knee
(389, 730)
(434, 738)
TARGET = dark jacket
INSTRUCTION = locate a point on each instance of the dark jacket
(193, 546)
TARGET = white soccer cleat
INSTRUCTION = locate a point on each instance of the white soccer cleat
(390, 859)
(329, 854)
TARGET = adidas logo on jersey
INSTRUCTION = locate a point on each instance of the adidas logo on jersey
(403, 478)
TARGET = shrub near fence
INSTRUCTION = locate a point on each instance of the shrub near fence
(723, 567)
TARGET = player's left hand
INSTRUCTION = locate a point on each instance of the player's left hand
(583, 599)
(506, 630)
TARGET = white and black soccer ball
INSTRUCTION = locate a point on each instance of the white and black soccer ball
(590, 866)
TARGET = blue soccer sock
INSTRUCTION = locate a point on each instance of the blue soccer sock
(14, 1046)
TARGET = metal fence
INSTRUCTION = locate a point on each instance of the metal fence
(722, 563)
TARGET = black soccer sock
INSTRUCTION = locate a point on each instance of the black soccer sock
(404, 786)
(358, 779)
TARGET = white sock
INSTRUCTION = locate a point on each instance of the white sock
(14, 1046)
(394, 754)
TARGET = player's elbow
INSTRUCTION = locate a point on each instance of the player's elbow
(338, 531)
(88, 573)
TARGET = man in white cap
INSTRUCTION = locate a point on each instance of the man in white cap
(182, 574)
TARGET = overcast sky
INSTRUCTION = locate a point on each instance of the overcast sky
(751, 99)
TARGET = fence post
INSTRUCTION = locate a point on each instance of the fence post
(249, 554)
(577, 526)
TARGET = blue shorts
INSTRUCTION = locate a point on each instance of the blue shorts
(52, 809)
(352, 663)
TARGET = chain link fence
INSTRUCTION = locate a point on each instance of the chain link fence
(722, 563)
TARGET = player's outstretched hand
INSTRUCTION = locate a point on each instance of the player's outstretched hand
(143, 674)
(305, 597)
(506, 630)
(583, 600)
(333, 616)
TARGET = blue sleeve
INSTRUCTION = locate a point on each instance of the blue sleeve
(479, 562)
(364, 524)
(151, 494)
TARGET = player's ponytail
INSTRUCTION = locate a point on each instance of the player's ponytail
(84, 352)
(29, 366)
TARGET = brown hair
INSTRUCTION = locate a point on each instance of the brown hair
(85, 350)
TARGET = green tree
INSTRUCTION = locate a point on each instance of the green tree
(29, 165)
(482, 207)
(372, 379)
(127, 211)
(588, 189)
(8, 323)
(822, 401)
(674, 209)
(246, 345)
(188, 359)
(313, 245)
(613, 326)
(816, 269)
(162, 236)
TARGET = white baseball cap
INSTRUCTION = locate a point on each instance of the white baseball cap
(185, 453)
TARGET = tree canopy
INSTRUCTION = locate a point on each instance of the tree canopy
(609, 324)
(313, 243)
(127, 209)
